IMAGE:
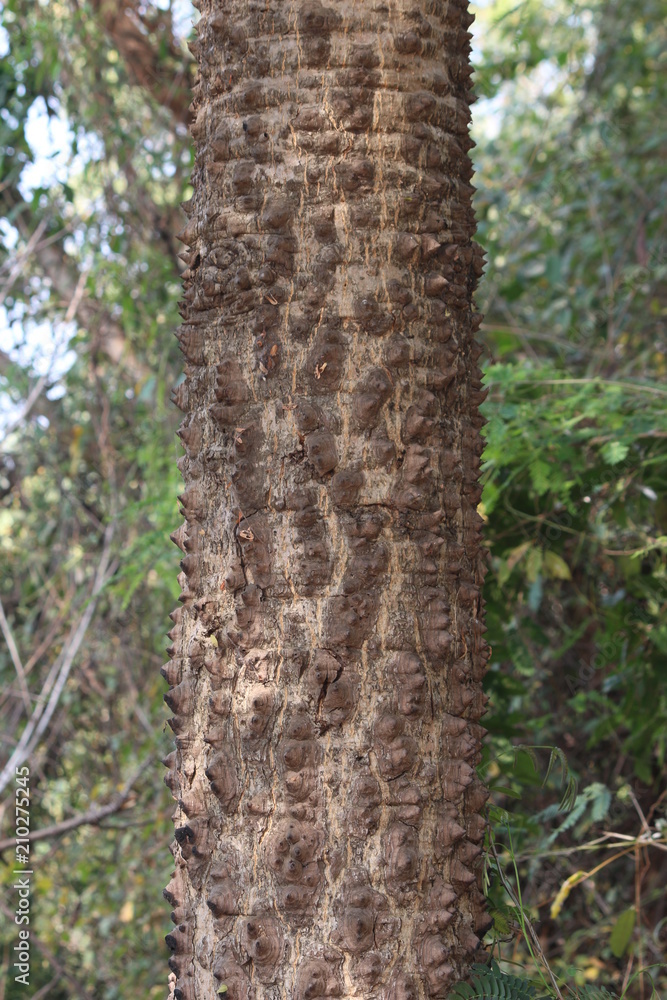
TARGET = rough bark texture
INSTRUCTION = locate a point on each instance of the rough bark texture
(328, 655)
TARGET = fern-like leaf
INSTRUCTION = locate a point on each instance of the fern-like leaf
(592, 992)
(489, 983)
(556, 757)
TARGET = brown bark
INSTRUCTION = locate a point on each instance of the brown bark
(327, 659)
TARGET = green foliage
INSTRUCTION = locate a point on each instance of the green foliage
(590, 807)
(98, 447)
(575, 470)
(570, 189)
(490, 983)
(593, 992)
(621, 934)
(570, 139)
(557, 758)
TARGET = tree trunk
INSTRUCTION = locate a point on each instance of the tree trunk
(328, 656)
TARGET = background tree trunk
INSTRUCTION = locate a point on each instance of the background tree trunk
(327, 659)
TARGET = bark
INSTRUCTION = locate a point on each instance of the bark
(327, 658)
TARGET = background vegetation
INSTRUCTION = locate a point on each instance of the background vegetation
(94, 163)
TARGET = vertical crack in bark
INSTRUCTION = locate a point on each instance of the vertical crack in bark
(328, 655)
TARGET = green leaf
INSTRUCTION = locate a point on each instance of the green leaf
(540, 475)
(506, 790)
(502, 921)
(621, 934)
(489, 983)
(614, 452)
(556, 567)
(593, 992)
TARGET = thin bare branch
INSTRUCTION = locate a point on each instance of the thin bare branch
(59, 672)
(107, 334)
(93, 817)
(36, 390)
(78, 295)
(80, 990)
(16, 659)
(18, 263)
(33, 396)
(45, 990)
(528, 925)
(37, 247)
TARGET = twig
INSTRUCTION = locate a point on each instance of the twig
(136, 700)
(638, 809)
(59, 672)
(597, 381)
(18, 263)
(54, 238)
(36, 390)
(655, 805)
(35, 656)
(91, 818)
(77, 296)
(80, 990)
(628, 970)
(45, 990)
(526, 924)
(16, 659)
(643, 840)
(638, 911)
(46, 641)
(521, 332)
(33, 396)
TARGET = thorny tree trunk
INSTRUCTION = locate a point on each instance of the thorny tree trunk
(327, 659)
